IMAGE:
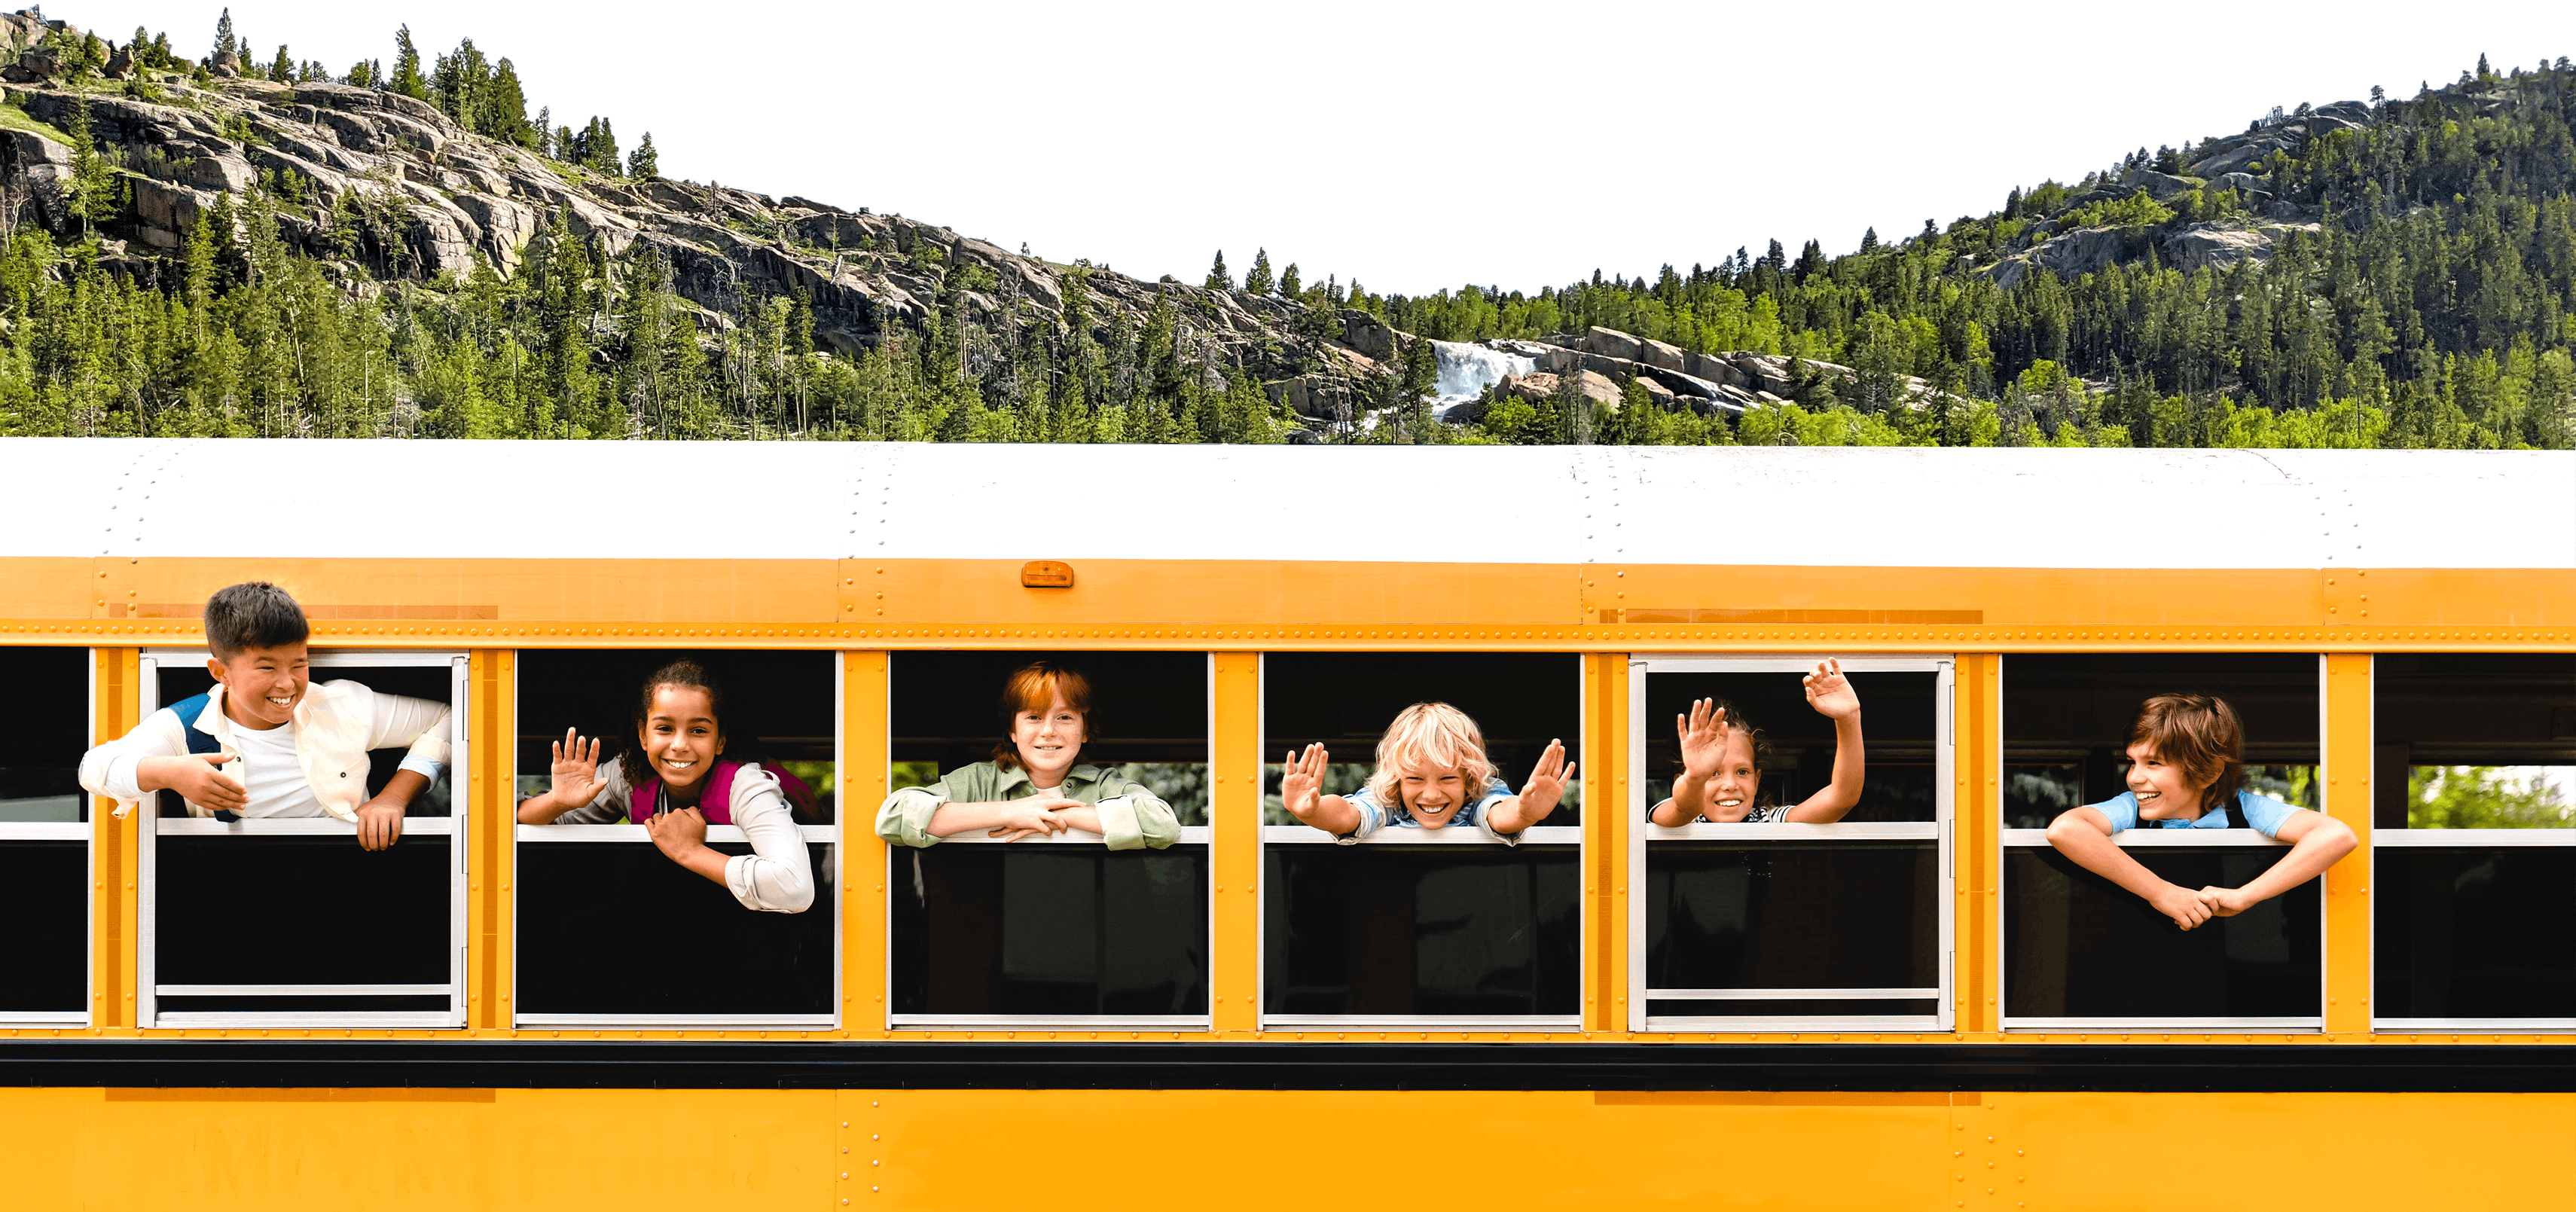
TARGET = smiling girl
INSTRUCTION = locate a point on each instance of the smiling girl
(1723, 757)
(1035, 784)
(2186, 771)
(1432, 773)
(675, 779)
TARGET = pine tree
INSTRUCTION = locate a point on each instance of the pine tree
(407, 79)
(1869, 240)
(504, 111)
(1257, 280)
(95, 191)
(362, 75)
(282, 68)
(1290, 287)
(225, 42)
(1218, 278)
(644, 164)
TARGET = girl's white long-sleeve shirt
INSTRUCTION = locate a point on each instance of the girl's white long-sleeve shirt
(777, 876)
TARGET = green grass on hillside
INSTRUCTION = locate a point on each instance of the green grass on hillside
(15, 117)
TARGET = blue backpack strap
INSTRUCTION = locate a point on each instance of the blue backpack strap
(198, 741)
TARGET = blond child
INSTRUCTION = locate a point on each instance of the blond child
(1432, 773)
(2186, 771)
(1723, 756)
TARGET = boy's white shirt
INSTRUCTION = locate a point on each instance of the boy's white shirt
(336, 723)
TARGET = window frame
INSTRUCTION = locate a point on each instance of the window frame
(829, 836)
(1191, 835)
(454, 827)
(1941, 830)
(2037, 839)
(1307, 835)
(86, 833)
(2446, 839)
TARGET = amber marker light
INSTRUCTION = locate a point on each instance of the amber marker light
(1046, 574)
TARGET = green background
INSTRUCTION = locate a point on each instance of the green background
(1412, 145)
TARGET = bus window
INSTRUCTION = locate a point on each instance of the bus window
(1450, 927)
(286, 920)
(1775, 895)
(605, 916)
(2080, 952)
(44, 843)
(1077, 926)
(2474, 839)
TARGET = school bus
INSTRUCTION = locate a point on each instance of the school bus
(1921, 1006)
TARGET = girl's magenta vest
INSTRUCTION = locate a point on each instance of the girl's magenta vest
(717, 803)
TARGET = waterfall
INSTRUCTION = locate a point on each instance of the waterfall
(1467, 370)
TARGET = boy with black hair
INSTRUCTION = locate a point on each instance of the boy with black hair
(266, 742)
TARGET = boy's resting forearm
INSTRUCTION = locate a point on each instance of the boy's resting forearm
(2097, 853)
(2308, 858)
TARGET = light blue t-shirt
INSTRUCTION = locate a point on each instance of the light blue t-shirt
(1375, 816)
(2262, 813)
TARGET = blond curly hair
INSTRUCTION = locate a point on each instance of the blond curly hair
(1434, 736)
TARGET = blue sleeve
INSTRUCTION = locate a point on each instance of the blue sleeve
(1372, 815)
(1495, 793)
(2263, 813)
(2122, 809)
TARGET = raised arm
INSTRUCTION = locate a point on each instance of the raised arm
(1538, 796)
(1300, 790)
(2317, 841)
(1703, 734)
(573, 781)
(2084, 835)
(1831, 694)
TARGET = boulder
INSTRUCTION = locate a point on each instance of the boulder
(2216, 246)
(121, 64)
(1660, 395)
(1367, 334)
(166, 212)
(2244, 183)
(2252, 151)
(2349, 111)
(1656, 353)
(2163, 187)
(2090, 250)
(225, 63)
(1718, 370)
(1610, 343)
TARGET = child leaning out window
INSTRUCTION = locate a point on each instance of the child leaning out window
(2186, 771)
(1432, 773)
(1035, 783)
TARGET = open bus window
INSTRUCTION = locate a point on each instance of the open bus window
(2474, 834)
(1058, 927)
(286, 920)
(604, 915)
(1823, 905)
(1417, 926)
(44, 842)
(2080, 952)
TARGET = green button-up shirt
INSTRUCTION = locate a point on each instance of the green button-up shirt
(1131, 817)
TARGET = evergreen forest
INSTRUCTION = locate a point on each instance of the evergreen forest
(2415, 291)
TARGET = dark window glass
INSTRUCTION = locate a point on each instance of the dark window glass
(1149, 717)
(616, 928)
(1900, 736)
(1050, 929)
(1854, 914)
(2067, 717)
(180, 681)
(44, 895)
(784, 699)
(2077, 945)
(1393, 930)
(41, 743)
(1345, 700)
(2474, 740)
(2475, 932)
(300, 911)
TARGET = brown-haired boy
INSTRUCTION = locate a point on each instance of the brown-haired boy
(292, 749)
(2186, 771)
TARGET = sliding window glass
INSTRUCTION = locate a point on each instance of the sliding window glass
(1779, 898)
(2474, 842)
(1095, 917)
(625, 916)
(280, 918)
(1446, 928)
(45, 842)
(2083, 953)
